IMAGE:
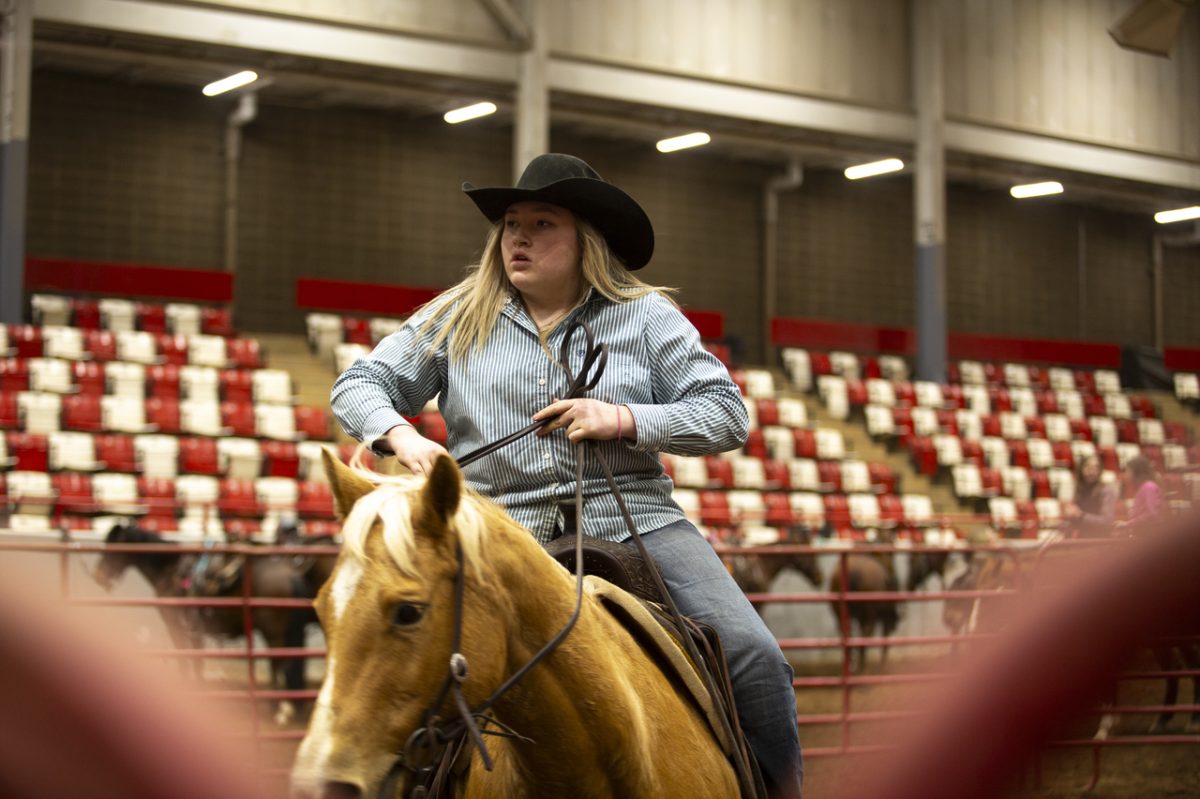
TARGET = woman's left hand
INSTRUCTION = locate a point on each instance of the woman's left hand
(585, 418)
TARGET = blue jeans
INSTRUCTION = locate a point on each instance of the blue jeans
(762, 678)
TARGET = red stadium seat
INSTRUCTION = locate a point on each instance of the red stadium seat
(805, 443)
(74, 493)
(830, 475)
(883, 479)
(101, 344)
(172, 349)
(756, 444)
(948, 422)
(1063, 455)
(1047, 402)
(891, 510)
(972, 451)
(999, 399)
(356, 330)
(282, 459)
(216, 322)
(1040, 484)
(315, 500)
(116, 452)
(26, 339)
(244, 353)
(820, 363)
(151, 317)
(1127, 431)
(722, 352)
(1093, 405)
(241, 529)
(89, 376)
(238, 498)
(1081, 430)
(1085, 381)
(82, 412)
(856, 393)
(237, 385)
(198, 455)
(85, 314)
(776, 475)
(313, 423)
(1018, 453)
(837, 512)
(32, 452)
(991, 426)
(1035, 427)
(1176, 433)
(1108, 459)
(952, 397)
(720, 471)
(714, 509)
(738, 376)
(1143, 407)
(991, 481)
(924, 455)
(239, 418)
(14, 374)
(157, 494)
(779, 511)
(164, 381)
(10, 413)
(163, 414)
(768, 412)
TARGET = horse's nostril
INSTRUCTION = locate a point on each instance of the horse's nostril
(340, 790)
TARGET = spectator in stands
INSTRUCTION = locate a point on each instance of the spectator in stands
(1147, 497)
(563, 247)
(1093, 509)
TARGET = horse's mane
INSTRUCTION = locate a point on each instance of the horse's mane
(391, 504)
(131, 534)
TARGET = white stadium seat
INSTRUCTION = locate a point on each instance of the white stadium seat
(157, 455)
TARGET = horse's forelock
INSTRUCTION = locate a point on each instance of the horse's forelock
(391, 505)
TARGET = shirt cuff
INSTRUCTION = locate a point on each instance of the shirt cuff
(653, 427)
(377, 424)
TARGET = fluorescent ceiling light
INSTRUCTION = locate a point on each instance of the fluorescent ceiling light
(1177, 215)
(683, 142)
(1036, 189)
(874, 168)
(232, 82)
(469, 112)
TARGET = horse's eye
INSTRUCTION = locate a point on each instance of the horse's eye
(408, 613)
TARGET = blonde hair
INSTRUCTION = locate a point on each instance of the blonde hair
(471, 307)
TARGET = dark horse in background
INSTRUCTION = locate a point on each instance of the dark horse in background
(218, 575)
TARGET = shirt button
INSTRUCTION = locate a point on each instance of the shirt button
(546, 456)
(542, 381)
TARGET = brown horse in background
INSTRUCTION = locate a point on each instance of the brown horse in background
(755, 573)
(218, 575)
(870, 573)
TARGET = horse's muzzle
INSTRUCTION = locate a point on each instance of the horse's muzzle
(327, 790)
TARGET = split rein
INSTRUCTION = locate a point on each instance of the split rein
(437, 753)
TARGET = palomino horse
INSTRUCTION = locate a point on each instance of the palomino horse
(177, 574)
(427, 561)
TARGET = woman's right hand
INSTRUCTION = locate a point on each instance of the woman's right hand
(412, 449)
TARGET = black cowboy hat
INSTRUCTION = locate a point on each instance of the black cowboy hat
(568, 181)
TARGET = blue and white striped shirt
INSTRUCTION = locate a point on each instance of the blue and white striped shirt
(680, 395)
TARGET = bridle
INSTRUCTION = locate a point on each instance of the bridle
(437, 752)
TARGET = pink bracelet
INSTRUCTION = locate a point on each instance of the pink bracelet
(618, 423)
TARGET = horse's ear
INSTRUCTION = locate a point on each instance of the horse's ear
(347, 486)
(443, 489)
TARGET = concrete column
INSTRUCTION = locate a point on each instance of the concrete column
(531, 118)
(16, 49)
(929, 189)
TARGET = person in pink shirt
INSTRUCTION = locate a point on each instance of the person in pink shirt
(1147, 498)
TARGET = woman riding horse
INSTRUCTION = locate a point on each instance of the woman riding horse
(562, 249)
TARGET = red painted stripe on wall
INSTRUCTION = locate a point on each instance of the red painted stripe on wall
(128, 280)
(376, 298)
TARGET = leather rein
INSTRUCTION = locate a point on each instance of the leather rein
(438, 751)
